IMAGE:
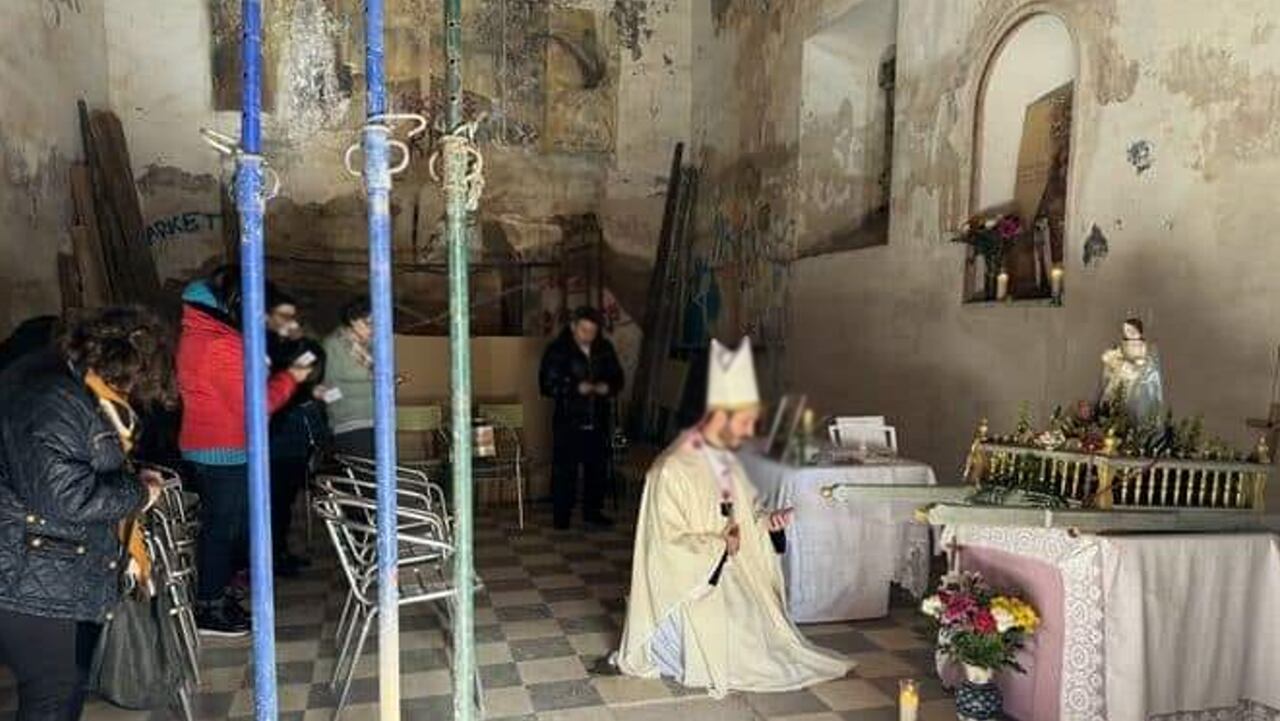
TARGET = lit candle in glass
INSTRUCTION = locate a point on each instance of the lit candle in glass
(1055, 282)
(908, 700)
(1002, 286)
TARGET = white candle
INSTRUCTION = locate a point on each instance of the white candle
(908, 700)
(1055, 282)
(1002, 286)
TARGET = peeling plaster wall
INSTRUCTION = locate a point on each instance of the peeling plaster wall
(52, 53)
(161, 76)
(883, 330)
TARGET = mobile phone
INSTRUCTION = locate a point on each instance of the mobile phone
(306, 360)
(333, 395)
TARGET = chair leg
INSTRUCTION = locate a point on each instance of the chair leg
(351, 667)
(345, 617)
(344, 646)
(520, 494)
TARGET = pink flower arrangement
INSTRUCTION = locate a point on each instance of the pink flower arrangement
(977, 626)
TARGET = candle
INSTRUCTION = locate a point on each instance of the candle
(1002, 286)
(808, 421)
(1055, 282)
(908, 700)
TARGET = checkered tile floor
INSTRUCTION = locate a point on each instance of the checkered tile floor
(553, 607)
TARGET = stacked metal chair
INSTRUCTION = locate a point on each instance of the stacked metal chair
(345, 501)
(170, 530)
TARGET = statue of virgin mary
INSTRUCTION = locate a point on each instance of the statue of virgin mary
(1131, 375)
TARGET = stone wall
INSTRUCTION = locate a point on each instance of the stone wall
(883, 330)
(582, 100)
(52, 53)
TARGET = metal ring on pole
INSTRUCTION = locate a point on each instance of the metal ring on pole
(389, 119)
(227, 145)
(472, 181)
(400, 167)
(220, 142)
(386, 122)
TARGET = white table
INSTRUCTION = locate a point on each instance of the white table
(841, 557)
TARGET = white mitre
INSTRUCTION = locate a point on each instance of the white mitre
(731, 380)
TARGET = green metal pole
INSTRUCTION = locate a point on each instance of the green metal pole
(455, 170)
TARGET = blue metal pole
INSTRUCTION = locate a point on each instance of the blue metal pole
(455, 171)
(251, 204)
(377, 176)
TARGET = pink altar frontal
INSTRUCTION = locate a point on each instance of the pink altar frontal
(1155, 627)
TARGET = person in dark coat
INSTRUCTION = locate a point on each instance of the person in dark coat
(581, 373)
(68, 496)
(33, 334)
(298, 430)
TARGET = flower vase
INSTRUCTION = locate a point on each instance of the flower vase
(990, 279)
(978, 698)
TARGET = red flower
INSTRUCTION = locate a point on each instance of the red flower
(984, 622)
(959, 607)
(1009, 227)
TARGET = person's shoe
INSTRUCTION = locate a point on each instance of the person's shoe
(606, 666)
(598, 520)
(222, 620)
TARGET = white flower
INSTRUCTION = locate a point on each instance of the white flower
(932, 607)
(1004, 619)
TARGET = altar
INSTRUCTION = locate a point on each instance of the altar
(1136, 627)
(841, 560)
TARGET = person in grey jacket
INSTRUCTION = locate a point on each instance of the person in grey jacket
(348, 379)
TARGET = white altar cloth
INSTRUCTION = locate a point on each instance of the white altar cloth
(841, 557)
(1159, 627)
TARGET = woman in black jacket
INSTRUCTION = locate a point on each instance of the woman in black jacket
(68, 496)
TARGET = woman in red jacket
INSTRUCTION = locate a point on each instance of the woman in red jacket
(211, 381)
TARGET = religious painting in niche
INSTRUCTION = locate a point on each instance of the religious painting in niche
(228, 87)
(849, 71)
(1041, 193)
(581, 89)
(1022, 151)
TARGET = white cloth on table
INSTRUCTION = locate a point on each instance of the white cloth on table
(1192, 624)
(841, 557)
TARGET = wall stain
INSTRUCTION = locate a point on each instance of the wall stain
(1141, 155)
(1240, 105)
(633, 22)
(1096, 246)
(166, 177)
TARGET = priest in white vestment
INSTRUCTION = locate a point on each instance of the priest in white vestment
(707, 607)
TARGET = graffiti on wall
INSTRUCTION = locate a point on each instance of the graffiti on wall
(188, 223)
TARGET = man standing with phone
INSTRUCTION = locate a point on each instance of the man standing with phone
(581, 373)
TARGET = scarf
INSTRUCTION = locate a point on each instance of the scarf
(359, 350)
(112, 403)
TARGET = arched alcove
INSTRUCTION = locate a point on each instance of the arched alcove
(1022, 149)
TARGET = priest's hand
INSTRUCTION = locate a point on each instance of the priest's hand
(732, 539)
(779, 520)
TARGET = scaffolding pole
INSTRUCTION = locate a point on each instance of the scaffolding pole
(461, 191)
(377, 177)
(251, 203)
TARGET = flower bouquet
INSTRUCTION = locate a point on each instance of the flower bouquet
(990, 237)
(983, 631)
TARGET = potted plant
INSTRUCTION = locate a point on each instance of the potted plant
(982, 630)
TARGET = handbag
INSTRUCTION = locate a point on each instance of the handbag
(135, 665)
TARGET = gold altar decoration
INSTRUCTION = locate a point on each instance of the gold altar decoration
(1104, 479)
